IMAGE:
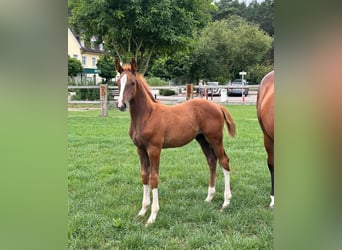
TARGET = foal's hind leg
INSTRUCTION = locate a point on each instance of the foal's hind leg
(217, 145)
(145, 173)
(212, 162)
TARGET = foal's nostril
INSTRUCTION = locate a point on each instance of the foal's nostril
(122, 107)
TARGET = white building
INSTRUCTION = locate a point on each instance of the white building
(88, 56)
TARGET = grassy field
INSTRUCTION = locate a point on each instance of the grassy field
(105, 190)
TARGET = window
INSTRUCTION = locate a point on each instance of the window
(93, 60)
(84, 60)
(75, 56)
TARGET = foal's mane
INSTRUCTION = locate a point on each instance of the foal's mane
(141, 81)
(145, 86)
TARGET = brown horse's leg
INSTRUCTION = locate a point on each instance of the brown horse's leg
(272, 190)
(145, 173)
(154, 158)
(269, 146)
(212, 162)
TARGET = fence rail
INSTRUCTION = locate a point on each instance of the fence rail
(250, 87)
(89, 87)
(114, 90)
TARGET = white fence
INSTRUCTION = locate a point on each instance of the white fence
(181, 89)
(179, 97)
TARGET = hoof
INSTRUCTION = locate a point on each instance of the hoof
(149, 222)
(142, 213)
(225, 204)
(224, 207)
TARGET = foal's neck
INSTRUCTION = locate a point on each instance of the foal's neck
(141, 105)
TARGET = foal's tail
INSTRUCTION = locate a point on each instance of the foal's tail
(229, 121)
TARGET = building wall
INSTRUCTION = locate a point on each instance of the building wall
(87, 59)
(74, 47)
(90, 60)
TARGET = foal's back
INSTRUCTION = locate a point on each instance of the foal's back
(181, 123)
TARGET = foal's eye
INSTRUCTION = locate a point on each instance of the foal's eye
(133, 83)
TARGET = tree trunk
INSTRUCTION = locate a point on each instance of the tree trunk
(148, 59)
(117, 51)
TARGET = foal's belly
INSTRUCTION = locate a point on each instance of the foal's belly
(178, 138)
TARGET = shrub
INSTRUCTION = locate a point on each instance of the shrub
(167, 92)
(87, 95)
(156, 81)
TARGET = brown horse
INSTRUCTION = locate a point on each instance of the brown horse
(265, 113)
(155, 126)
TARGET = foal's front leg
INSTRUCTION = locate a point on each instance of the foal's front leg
(145, 173)
(146, 201)
(154, 157)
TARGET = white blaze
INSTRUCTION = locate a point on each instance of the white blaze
(122, 88)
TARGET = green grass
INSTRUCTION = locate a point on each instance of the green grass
(105, 190)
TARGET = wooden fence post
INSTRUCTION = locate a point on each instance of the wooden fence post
(103, 99)
(189, 91)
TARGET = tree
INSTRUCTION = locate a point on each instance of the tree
(178, 67)
(227, 8)
(106, 65)
(74, 67)
(158, 68)
(140, 29)
(261, 13)
(175, 67)
(226, 47)
(257, 72)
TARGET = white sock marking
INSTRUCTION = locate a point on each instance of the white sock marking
(272, 201)
(155, 206)
(211, 192)
(227, 193)
(146, 200)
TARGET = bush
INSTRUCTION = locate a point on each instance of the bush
(86, 95)
(166, 92)
(74, 67)
(156, 81)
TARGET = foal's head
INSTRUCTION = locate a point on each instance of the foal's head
(126, 83)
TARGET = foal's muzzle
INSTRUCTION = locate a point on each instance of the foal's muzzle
(121, 107)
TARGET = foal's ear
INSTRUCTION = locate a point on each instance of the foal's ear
(118, 66)
(133, 66)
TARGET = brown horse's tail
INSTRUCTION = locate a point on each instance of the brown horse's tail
(229, 121)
